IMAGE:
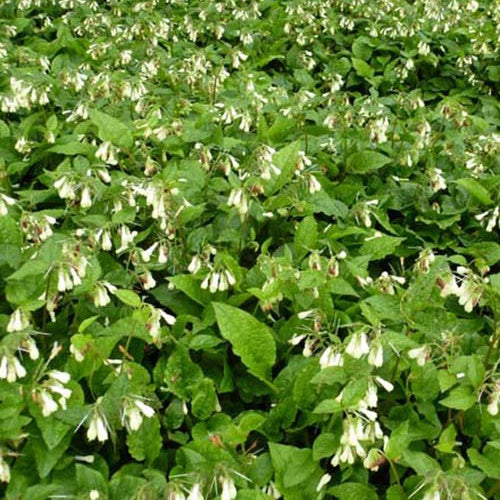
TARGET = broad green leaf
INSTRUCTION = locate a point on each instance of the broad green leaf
(362, 68)
(88, 479)
(46, 458)
(251, 340)
(306, 236)
(474, 188)
(399, 441)
(190, 285)
(460, 398)
(128, 297)
(9, 231)
(181, 373)
(350, 491)
(366, 161)
(146, 442)
(204, 399)
(72, 148)
(489, 466)
(378, 248)
(286, 160)
(325, 445)
(292, 465)
(420, 462)
(111, 129)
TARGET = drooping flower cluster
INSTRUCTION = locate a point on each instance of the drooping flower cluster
(53, 393)
(360, 426)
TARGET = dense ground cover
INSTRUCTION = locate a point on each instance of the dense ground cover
(249, 250)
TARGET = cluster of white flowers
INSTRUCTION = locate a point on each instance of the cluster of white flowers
(18, 321)
(359, 346)
(100, 293)
(37, 227)
(98, 424)
(489, 219)
(71, 270)
(5, 203)
(133, 412)
(360, 426)
(470, 290)
(238, 199)
(23, 95)
(421, 354)
(4, 469)
(53, 386)
(364, 210)
(153, 322)
(437, 180)
(219, 280)
(494, 399)
(11, 368)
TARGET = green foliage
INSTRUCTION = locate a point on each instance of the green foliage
(249, 250)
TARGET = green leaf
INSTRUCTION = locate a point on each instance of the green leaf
(475, 189)
(190, 285)
(128, 297)
(351, 491)
(181, 374)
(398, 441)
(88, 479)
(292, 465)
(362, 68)
(420, 462)
(72, 148)
(460, 398)
(204, 400)
(325, 445)
(286, 160)
(251, 340)
(306, 236)
(146, 442)
(9, 231)
(378, 248)
(366, 161)
(46, 458)
(112, 129)
(489, 466)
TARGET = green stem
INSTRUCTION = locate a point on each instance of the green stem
(493, 490)
(493, 342)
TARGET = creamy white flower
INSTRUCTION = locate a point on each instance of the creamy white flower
(195, 493)
(147, 280)
(314, 185)
(376, 355)
(11, 368)
(86, 199)
(229, 491)
(146, 254)
(384, 383)
(214, 282)
(48, 404)
(432, 494)
(97, 427)
(18, 321)
(325, 479)
(330, 357)
(63, 377)
(420, 354)
(358, 345)
(106, 243)
(4, 470)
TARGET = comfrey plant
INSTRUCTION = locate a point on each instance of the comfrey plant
(249, 250)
